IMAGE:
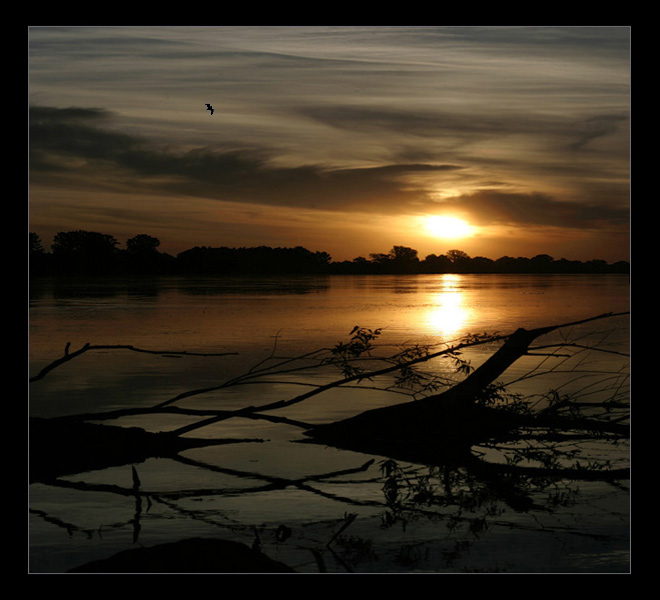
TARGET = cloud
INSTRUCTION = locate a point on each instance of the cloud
(493, 207)
(72, 144)
(370, 126)
(83, 147)
(456, 128)
(596, 127)
(417, 123)
(59, 135)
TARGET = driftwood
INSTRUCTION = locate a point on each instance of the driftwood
(442, 433)
(436, 429)
(68, 355)
(443, 427)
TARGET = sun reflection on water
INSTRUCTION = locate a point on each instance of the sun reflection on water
(448, 313)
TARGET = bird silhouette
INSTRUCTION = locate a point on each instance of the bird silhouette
(209, 107)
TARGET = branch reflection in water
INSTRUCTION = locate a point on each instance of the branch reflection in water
(200, 495)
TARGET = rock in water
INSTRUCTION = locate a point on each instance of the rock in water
(195, 555)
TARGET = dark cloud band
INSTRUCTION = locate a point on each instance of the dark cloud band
(78, 145)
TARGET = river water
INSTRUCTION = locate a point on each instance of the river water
(257, 318)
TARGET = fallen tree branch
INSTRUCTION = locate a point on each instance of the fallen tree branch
(87, 347)
(451, 420)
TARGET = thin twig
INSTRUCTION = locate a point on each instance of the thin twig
(70, 356)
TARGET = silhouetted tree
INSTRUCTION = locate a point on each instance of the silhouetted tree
(400, 259)
(142, 256)
(505, 264)
(261, 260)
(84, 251)
(524, 264)
(597, 266)
(404, 259)
(620, 266)
(459, 260)
(564, 265)
(323, 258)
(381, 263)
(142, 244)
(92, 252)
(404, 254)
(38, 259)
(480, 264)
(35, 244)
(542, 263)
(436, 264)
(361, 261)
(380, 258)
(76, 242)
(456, 256)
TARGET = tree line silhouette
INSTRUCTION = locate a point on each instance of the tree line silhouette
(91, 253)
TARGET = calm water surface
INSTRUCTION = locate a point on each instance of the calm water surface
(249, 316)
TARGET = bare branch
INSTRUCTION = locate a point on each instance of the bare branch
(70, 356)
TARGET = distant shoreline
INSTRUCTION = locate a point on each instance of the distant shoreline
(91, 253)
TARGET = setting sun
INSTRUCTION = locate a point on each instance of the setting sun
(447, 227)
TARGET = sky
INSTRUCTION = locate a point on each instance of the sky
(497, 141)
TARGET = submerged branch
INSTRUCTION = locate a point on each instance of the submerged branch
(87, 347)
(474, 410)
(174, 410)
(515, 346)
(580, 347)
(452, 420)
(361, 376)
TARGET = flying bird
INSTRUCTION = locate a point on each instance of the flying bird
(209, 107)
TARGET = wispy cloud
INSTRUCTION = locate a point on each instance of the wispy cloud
(73, 144)
(495, 207)
(516, 125)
